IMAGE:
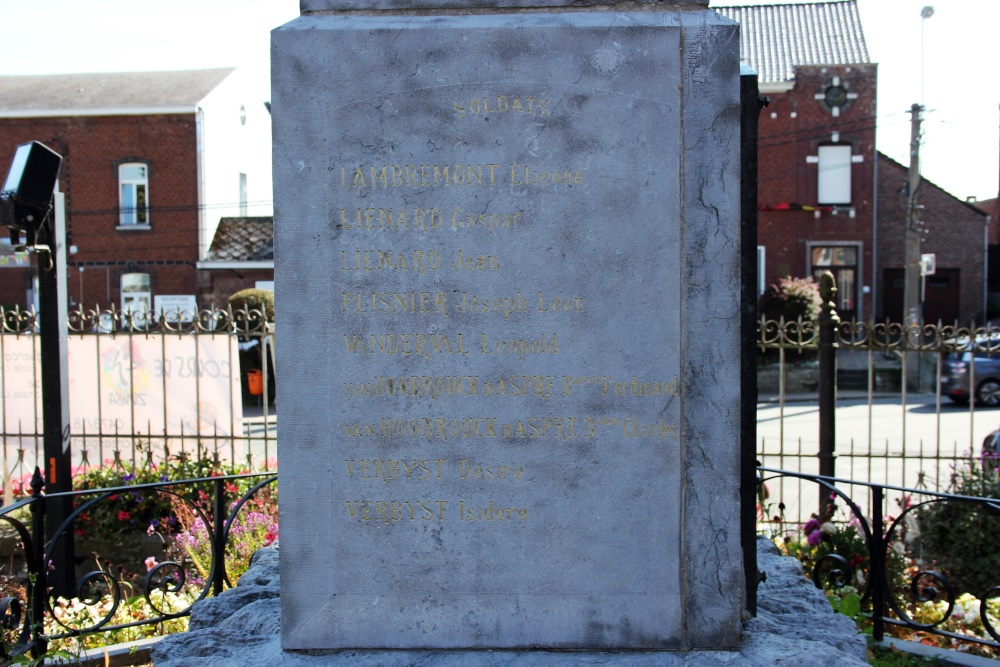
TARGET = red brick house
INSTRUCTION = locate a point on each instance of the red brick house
(955, 233)
(817, 144)
(241, 256)
(828, 200)
(151, 162)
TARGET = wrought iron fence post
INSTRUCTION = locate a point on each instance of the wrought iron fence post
(828, 322)
(877, 576)
(751, 104)
(37, 588)
(219, 537)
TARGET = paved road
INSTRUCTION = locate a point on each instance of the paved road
(885, 443)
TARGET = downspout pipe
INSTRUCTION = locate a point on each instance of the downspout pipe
(986, 269)
(200, 153)
(874, 291)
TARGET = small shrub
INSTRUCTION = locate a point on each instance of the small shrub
(257, 301)
(791, 298)
(959, 538)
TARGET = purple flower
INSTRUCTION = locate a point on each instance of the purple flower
(811, 527)
(128, 478)
(814, 538)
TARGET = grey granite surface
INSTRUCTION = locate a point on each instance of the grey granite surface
(506, 251)
(795, 626)
(308, 6)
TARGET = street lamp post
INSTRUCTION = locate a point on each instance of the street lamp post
(925, 14)
(26, 207)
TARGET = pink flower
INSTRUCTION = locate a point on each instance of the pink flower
(150, 563)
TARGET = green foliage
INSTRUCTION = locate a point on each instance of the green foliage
(791, 298)
(256, 301)
(887, 656)
(128, 514)
(960, 538)
(848, 604)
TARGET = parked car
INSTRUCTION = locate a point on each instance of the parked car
(990, 446)
(957, 373)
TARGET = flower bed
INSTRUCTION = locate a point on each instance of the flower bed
(145, 554)
(932, 544)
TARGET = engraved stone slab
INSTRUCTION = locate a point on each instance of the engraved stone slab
(311, 6)
(507, 269)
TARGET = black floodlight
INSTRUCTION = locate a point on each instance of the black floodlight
(26, 197)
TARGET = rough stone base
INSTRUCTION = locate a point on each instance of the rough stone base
(794, 626)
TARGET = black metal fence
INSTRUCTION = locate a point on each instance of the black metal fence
(171, 541)
(877, 402)
(887, 561)
(144, 388)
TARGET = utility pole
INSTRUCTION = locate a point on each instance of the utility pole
(912, 316)
(914, 226)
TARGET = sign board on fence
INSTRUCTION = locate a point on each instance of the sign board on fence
(508, 273)
(147, 384)
(176, 307)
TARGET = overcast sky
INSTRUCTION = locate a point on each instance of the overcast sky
(961, 150)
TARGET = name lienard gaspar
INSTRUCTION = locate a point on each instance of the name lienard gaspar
(421, 219)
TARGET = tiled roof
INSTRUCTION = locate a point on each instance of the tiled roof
(109, 90)
(776, 38)
(243, 240)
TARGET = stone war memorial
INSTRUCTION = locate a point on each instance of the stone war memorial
(507, 265)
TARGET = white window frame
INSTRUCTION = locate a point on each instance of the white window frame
(133, 216)
(138, 293)
(858, 293)
(834, 174)
(761, 255)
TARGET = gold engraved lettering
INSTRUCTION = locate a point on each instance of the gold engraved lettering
(418, 261)
(469, 470)
(441, 386)
(501, 305)
(476, 262)
(524, 174)
(640, 388)
(493, 104)
(569, 381)
(558, 305)
(418, 175)
(522, 346)
(461, 219)
(403, 219)
(388, 303)
(633, 428)
(481, 428)
(491, 512)
(394, 511)
(388, 470)
(405, 344)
